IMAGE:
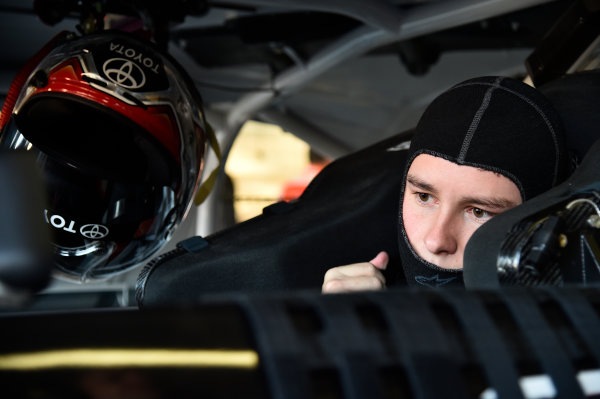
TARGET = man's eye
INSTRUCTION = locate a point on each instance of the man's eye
(423, 197)
(481, 214)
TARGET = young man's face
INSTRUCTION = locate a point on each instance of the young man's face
(444, 203)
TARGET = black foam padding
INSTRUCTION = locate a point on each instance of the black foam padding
(346, 215)
(576, 98)
(25, 263)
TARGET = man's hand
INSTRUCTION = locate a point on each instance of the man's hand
(357, 276)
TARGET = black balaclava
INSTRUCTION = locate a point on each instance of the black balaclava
(493, 123)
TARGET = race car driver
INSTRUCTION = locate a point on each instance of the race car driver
(480, 148)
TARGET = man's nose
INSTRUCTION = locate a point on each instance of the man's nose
(441, 238)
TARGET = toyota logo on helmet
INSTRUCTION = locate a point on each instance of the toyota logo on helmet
(120, 136)
(94, 231)
(124, 72)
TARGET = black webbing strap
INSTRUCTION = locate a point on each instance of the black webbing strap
(281, 357)
(583, 317)
(444, 343)
(428, 360)
(355, 349)
(487, 343)
(544, 343)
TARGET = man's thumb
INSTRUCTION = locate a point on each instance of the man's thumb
(380, 261)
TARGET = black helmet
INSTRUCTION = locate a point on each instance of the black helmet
(119, 134)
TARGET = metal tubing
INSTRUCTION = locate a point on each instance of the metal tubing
(375, 13)
(422, 20)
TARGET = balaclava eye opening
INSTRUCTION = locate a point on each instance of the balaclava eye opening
(492, 123)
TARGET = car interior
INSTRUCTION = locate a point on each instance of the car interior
(232, 308)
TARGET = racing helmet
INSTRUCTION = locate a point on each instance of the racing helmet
(119, 135)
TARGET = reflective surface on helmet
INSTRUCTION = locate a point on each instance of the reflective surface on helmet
(99, 226)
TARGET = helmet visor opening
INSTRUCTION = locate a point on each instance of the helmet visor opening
(95, 138)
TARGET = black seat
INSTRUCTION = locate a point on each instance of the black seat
(346, 215)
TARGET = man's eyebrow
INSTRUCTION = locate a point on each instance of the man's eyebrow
(490, 202)
(420, 184)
